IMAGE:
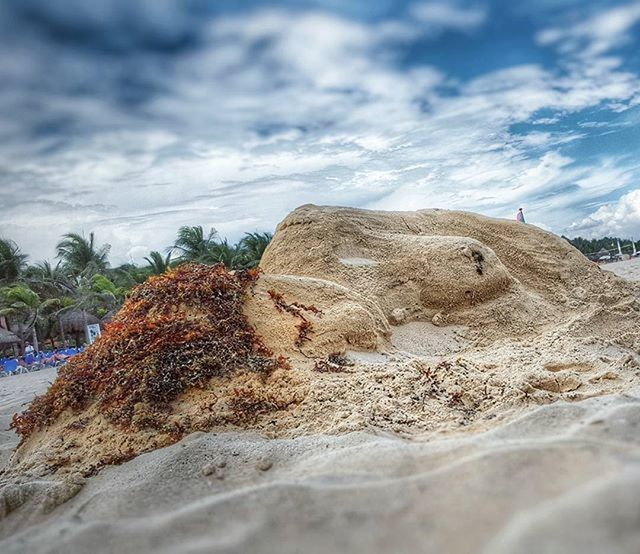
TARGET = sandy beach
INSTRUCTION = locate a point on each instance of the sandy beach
(485, 402)
(15, 394)
(562, 478)
(629, 269)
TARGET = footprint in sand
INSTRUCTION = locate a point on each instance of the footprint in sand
(558, 383)
(570, 366)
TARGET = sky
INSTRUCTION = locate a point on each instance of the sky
(131, 119)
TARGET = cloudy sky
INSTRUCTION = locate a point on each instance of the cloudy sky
(132, 118)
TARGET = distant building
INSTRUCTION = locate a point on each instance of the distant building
(603, 256)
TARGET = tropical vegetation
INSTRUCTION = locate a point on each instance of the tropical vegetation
(590, 247)
(36, 298)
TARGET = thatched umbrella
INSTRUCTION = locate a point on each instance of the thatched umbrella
(21, 330)
(74, 322)
(108, 316)
(7, 338)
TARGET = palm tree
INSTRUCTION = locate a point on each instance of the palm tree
(53, 283)
(92, 295)
(193, 245)
(12, 261)
(22, 306)
(225, 253)
(47, 279)
(253, 246)
(79, 254)
(46, 271)
(157, 264)
(127, 275)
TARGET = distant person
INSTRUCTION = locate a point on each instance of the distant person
(520, 216)
(28, 350)
(56, 357)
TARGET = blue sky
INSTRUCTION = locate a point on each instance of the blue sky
(134, 118)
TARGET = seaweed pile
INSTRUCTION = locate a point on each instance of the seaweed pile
(176, 331)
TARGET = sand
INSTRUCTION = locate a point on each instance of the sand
(562, 478)
(488, 403)
(15, 394)
(629, 269)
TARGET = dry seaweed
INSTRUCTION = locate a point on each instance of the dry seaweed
(247, 405)
(176, 331)
(305, 327)
(334, 363)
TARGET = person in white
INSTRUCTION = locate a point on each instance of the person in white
(28, 349)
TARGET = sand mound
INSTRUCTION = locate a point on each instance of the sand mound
(322, 238)
(404, 271)
(412, 323)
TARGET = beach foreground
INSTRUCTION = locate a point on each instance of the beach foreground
(562, 478)
(390, 382)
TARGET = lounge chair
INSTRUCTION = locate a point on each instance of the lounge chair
(11, 366)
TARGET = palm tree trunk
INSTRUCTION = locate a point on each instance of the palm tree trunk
(61, 329)
(33, 330)
(86, 328)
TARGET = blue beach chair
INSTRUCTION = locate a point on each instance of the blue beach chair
(11, 366)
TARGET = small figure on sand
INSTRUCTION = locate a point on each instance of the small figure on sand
(520, 216)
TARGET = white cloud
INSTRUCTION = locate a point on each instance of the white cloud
(598, 34)
(448, 15)
(620, 218)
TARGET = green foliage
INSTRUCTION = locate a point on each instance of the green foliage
(18, 297)
(224, 253)
(79, 254)
(253, 246)
(82, 278)
(193, 245)
(96, 294)
(592, 246)
(157, 264)
(45, 272)
(12, 261)
(47, 280)
(127, 276)
(102, 285)
(24, 308)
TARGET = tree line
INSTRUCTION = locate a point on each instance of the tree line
(36, 298)
(593, 246)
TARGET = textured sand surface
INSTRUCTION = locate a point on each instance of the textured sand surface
(562, 478)
(15, 394)
(629, 269)
(490, 406)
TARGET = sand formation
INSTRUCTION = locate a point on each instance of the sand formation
(415, 323)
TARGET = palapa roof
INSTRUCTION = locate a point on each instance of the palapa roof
(108, 316)
(74, 320)
(7, 337)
